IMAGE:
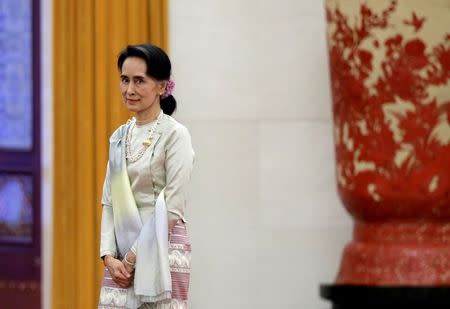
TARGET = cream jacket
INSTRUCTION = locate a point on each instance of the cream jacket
(168, 163)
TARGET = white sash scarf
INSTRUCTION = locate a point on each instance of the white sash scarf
(152, 279)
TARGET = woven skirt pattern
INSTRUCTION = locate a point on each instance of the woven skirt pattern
(180, 268)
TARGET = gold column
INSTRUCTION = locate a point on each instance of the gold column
(88, 35)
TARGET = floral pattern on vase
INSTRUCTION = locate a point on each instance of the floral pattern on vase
(390, 78)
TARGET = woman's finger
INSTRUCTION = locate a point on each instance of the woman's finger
(119, 273)
(124, 271)
(122, 284)
(121, 281)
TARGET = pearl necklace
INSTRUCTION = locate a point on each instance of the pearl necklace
(145, 144)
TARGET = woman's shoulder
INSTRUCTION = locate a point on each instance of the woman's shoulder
(120, 131)
(173, 127)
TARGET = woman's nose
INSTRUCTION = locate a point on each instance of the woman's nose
(130, 88)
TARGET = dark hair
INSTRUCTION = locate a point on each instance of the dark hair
(158, 67)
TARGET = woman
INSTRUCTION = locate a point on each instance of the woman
(150, 163)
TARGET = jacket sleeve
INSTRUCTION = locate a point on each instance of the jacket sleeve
(107, 237)
(178, 164)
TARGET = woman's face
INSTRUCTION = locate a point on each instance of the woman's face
(140, 92)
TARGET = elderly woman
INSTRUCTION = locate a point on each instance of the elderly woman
(144, 243)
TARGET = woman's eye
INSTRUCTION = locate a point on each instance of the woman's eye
(139, 81)
(124, 80)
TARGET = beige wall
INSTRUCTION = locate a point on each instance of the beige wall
(253, 89)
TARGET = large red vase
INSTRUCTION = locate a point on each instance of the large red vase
(390, 78)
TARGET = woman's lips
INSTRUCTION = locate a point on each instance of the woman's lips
(132, 102)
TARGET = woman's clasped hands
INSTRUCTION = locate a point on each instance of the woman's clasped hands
(121, 271)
